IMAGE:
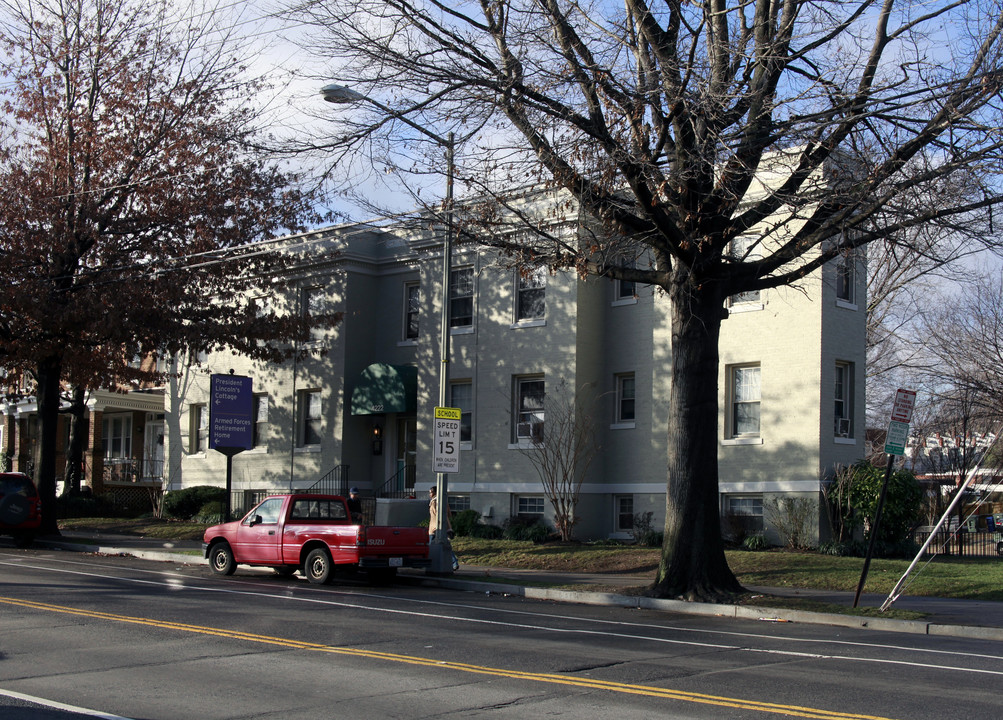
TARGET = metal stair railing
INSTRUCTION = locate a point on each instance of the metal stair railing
(400, 484)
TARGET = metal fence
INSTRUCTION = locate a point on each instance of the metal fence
(961, 543)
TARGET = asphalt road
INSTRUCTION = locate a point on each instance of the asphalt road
(118, 637)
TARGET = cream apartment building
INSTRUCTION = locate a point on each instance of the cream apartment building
(358, 410)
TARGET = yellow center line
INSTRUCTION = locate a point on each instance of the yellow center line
(625, 688)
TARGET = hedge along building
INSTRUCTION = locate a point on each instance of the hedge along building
(358, 410)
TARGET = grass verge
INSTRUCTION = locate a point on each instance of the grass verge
(972, 579)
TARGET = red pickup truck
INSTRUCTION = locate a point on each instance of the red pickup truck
(313, 534)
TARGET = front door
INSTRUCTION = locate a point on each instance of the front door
(407, 452)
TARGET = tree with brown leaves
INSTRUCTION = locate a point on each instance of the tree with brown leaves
(132, 206)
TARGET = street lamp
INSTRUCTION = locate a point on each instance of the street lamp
(440, 549)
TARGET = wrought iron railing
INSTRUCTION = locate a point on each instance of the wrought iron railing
(400, 484)
(130, 470)
(334, 482)
(962, 543)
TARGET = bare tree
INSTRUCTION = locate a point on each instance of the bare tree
(671, 132)
(564, 450)
(962, 340)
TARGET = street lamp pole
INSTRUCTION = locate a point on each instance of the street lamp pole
(440, 549)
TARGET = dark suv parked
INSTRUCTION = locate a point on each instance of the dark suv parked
(20, 508)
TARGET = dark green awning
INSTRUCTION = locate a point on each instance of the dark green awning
(383, 388)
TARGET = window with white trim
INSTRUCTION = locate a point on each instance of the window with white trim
(625, 398)
(313, 304)
(845, 277)
(531, 294)
(461, 396)
(624, 513)
(744, 400)
(198, 428)
(530, 505)
(458, 503)
(529, 401)
(461, 297)
(843, 396)
(743, 250)
(626, 290)
(412, 309)
(260, 412)
(745, 512)
(116, 434)
(310, 418)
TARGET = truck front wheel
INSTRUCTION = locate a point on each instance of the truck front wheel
(318, 567)
(221, 559)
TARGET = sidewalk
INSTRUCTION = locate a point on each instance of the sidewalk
(943, 616)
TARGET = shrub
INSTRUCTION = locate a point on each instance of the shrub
(756, 541)
(211, 513)
(794, 518)
(185, 504)
(81, 506)
(487, 532)
(465, 521)
(902, 503)
(533, 530)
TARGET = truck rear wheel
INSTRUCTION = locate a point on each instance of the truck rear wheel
(221, 559)
(318, 567)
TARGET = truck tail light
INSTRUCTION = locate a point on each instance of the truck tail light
(360, 539)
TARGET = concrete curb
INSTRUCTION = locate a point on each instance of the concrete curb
(158, 555)
(747, 612)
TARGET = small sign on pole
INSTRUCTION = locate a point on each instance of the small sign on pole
(905, 401)
(898, 425)
(446, 440)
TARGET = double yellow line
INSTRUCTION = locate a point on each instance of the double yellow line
(566, 680)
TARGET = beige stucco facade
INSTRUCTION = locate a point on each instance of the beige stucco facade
(591, 335)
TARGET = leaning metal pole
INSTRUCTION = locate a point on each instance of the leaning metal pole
(897, 590)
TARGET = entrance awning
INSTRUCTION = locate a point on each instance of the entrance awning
(383, 388)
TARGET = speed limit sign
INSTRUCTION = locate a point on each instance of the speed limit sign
(446, 440)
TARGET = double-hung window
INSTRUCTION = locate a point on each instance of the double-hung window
(845, 277)
(198, 428)
(843, 395)
(529, 393)
(624, 513)
(412, 308)
(625, 398)
(260, 429)
(313, 305)
(310, 418)
(743, 249)
(531, 292)
(461, 396)
(461, 298)
(117, 435)
(745, 396)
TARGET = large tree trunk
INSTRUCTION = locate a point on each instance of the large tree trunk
(75, 446)
(48, 375)
(693, 565)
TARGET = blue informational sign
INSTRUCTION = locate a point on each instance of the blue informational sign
(231, 413)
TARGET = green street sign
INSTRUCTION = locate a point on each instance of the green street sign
(898, 434)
